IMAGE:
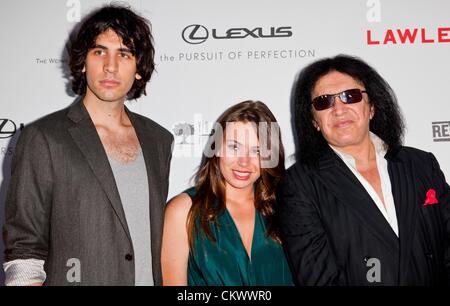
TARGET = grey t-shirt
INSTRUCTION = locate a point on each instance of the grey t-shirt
(131, 181)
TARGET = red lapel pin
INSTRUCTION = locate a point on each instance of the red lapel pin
(431, 197)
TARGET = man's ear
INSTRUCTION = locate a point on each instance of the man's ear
(372, 112)
(84, 69)
(138, 76)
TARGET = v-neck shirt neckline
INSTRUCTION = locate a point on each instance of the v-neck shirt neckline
(238, 234)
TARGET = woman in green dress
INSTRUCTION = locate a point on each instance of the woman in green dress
(222, 232)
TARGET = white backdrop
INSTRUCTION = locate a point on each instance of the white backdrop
(210, 69)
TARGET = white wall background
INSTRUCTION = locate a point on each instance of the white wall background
(33, 82)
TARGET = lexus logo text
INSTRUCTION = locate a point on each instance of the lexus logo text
(196, 34)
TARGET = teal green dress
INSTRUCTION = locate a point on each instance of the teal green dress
(225, 262)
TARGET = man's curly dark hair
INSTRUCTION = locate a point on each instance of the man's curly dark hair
(135, 33)
(387, 122)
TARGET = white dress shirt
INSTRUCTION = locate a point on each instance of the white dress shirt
(388, 209)
(24, 272)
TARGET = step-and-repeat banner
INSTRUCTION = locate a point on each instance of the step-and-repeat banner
(211, 54)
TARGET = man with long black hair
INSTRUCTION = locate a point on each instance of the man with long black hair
(359, 208)
(89, 183)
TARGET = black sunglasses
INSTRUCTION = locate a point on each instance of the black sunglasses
(348, 96)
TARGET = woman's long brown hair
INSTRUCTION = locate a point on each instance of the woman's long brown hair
(209, 201)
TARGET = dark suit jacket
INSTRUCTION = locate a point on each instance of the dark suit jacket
(63, 201)
(332, 228)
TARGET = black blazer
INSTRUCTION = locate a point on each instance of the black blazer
(63, 201)
(332, 228)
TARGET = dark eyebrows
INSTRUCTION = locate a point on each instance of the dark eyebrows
(126, 50)
(97, 46)
(123, 49)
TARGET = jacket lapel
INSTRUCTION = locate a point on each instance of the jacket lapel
(403, 184)
(86, 138)
(334, 174)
